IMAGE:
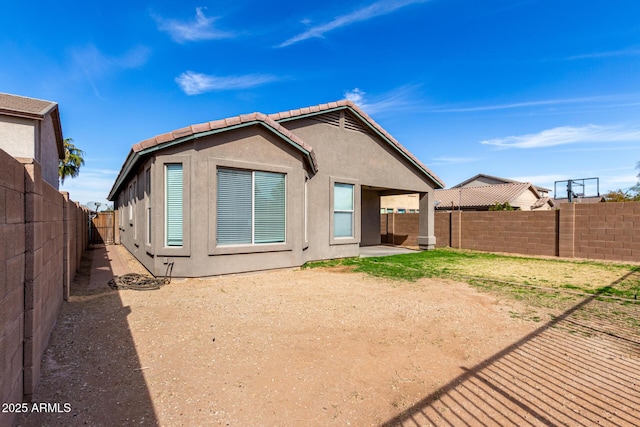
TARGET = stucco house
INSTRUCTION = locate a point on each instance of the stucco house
(30, 128)
(491, 189)
(481, 180)
(258, 191)
(520, 195)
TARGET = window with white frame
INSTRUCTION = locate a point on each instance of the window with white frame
(251, 207)
(173, 204)
(343, 202)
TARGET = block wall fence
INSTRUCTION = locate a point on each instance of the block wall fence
(604, 231)
(43, 235)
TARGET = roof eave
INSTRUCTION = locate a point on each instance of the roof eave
(135, 156)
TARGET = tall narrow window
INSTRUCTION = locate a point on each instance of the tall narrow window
(343, 210)
(251, 207)
(173, 204)
(148, 207)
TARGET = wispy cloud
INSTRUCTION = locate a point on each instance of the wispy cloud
(193, 83)
(567, 135)
(379, 8)
(200, 28)
(402, 98)
(95, 64)
(514, 105)
(91, 185)
(632, 51)
(452, 160)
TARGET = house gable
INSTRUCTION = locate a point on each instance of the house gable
(348, 116)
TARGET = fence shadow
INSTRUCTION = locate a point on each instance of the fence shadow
(580, 369)
(91, 362)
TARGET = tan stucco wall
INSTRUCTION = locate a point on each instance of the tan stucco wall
(401, 201)
(17, 136)
(48, 152)
(32, 139)
(344, 156)
(364, 159)
(252, 149)
(525, 200)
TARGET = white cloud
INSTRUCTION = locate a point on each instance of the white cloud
(91, 185)
(193, 83)
(200, 28)
(379, 8)
(567, 135)
(401, 98)
(94, 64)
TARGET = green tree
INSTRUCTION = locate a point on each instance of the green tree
(630, 195)
(506, 206)
(70, 165)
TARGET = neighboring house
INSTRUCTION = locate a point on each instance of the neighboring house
(403, 203)
(30, 128)
(535, 199)
(257, 191)
(482, 180)
(520, 195)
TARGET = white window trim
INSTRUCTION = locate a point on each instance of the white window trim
(355, 239)
(351, 211)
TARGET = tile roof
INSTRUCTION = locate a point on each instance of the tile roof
(542, 201)
(24, 107)
(222, 124)
(321, 108)
(270, 121)
(32, 108)
(496, 178)
(481, 196)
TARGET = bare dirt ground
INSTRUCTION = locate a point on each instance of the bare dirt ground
(328, 348)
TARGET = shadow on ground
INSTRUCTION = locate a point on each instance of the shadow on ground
(580, 369)
(100, 378)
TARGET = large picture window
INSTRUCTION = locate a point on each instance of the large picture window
(251, 207)
(343, 210)
(173, 204)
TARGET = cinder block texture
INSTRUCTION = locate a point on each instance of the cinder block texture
(608, 231)
(32, 271)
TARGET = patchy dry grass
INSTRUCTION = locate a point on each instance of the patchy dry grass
(489, 270)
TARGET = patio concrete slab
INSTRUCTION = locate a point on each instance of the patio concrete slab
(383, 250)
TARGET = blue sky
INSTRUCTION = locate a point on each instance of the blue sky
(534, 90)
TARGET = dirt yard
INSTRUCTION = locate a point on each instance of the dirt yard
(329, 348)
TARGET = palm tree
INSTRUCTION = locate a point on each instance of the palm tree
(70, 165)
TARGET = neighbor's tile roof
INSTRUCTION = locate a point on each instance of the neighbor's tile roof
(482, 196)
(24, 107)
(496, 178)
(348, 104)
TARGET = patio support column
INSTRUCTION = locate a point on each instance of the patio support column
(426, 229)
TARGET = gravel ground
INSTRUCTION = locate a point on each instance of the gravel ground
(327, 348)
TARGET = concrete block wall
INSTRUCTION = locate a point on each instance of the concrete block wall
(608, 231)
(42, 237)
(12, 261)
(522, 232)
(400, 229)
